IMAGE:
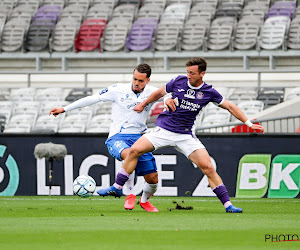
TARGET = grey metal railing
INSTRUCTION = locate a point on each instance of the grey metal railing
(280, 125)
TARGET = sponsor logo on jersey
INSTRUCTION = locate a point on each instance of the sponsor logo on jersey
(190, 94)
(180, 90)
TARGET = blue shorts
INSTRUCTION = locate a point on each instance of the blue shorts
(117, 143)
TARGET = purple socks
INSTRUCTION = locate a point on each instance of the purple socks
(222, 194)
(122, 177)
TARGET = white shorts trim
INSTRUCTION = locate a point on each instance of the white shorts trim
(184, 143)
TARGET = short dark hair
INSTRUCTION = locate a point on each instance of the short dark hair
(144, 68)
(197, 61)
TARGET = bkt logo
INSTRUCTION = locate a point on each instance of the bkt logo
(13, 171)
(257, 171)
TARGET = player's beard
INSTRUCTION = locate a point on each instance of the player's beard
(137, 91)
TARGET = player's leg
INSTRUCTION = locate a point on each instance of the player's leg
(118, 146)
(195, 151)
(149, 171)
(130, 198)
(141, 146)
(201, 158)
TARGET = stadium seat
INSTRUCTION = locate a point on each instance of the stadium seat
(6, 6)
(26, 107)
(81, 6)
(39, 128)
(22, 94)
(49, 94)
(102, 108)
(37, 38)
(161, 3)
(220, 35)
(28, 118)
(282, 9)
(294, 93)
(150, 11)
(71, 18)
(251, 107)
(89, 35)
(200, 16)
(246, 36)
(6, 112)
(27, 8)
(242, 94)
(78, 93)
(269, 100)
(258, 5)
(60, 3)
(2, 122)
(12, 38)
(141, 35)
(114, 37)
(72, 127)
(45, 107)
(62, 38)
(46, 119)
(21, 19)
(272, 36)
(4, 94)
(17, 128)
(193, 36)
(99, 124)
(99, 12)
(167, 37)
(216, 119)
(252, 16)
(293, 40)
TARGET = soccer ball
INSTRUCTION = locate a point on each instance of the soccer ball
(84, 186)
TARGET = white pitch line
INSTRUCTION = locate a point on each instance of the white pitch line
(160, 199)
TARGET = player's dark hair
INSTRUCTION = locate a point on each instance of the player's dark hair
(197, 61)
(144, 68)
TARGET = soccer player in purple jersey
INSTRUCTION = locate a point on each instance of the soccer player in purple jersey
(174, 127)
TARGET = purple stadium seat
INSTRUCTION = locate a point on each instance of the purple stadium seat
(282, 9)
(140, 38)
(279, 12)
(48, 12)
(141, 34)
(147, 21)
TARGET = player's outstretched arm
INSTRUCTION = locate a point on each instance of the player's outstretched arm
(237, 113)
(152, 98)
(56, 111)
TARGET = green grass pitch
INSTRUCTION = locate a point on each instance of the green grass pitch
(102, 223)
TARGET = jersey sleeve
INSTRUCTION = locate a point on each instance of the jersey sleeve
(108, 94)
(217, 98)
(170, 85)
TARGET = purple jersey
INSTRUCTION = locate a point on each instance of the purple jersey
(190, 101)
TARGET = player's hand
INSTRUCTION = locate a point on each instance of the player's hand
(56, 111)
(170, 104)
(139, 107)
(258, 127)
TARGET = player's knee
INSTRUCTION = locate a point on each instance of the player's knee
(135, 153)
(151, 178)
(208, 169)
